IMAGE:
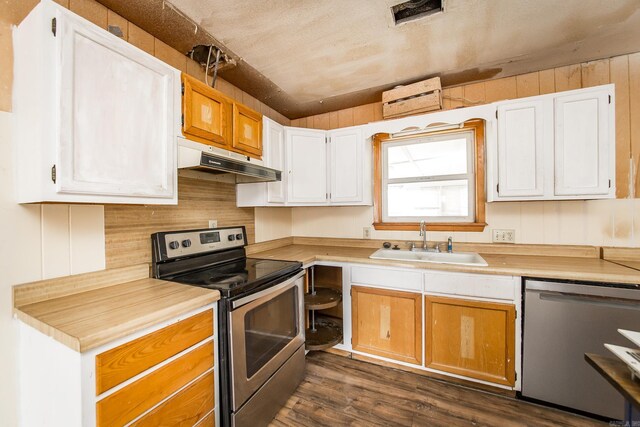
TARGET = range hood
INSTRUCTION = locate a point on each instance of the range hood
(205, 158)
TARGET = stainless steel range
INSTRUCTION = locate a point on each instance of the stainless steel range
(260, 317)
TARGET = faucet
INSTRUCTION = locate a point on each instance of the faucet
(423, 234)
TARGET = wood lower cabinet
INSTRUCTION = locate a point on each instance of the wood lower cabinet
(207, 114)
(186, 383)
(475, 339)
(387, 323)
(164, 375)
(247, 130)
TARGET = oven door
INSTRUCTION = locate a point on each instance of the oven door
(266, 328)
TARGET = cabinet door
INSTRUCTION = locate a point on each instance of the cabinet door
(307, 166)
(471, 338)
(274, 158)
(520, 149)
(207, 114)
(582, 138)
(247, 130)
(387, 323)
(118, 116)
(347, 149)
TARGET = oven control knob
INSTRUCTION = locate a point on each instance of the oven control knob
(238, 236)
(174, 244)
(186, 243)
(231, 237)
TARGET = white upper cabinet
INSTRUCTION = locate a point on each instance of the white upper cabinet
(559, 146)
(319, 168)
(306, 166)
(275, 158)
(347, 163)
(583, 141)
(99, 125)
(520, 149)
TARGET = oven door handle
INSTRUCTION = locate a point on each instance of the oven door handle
(242, 301)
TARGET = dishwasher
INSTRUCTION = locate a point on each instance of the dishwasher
(562, 322)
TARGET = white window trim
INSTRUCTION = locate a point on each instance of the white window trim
(470, 176)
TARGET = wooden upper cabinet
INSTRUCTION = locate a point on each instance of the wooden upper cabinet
(471, 338)
(247, 130)
(207, 114)
(387, 323)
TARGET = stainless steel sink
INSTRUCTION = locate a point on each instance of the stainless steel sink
(459, 258)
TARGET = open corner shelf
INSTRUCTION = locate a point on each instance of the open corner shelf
(323, 302)
(327, 333)
(322, 299)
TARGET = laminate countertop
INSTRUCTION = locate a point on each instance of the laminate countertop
(88, 310)
(546, 267)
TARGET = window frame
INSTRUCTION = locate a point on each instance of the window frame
(477, 225)
(469, 137)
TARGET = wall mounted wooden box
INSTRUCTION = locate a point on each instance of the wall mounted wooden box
(412, 99)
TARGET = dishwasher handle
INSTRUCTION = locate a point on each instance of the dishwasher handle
(590, 299)
(584, 290)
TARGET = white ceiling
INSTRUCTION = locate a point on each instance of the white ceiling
(316, 49)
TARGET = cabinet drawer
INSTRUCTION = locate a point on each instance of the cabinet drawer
(185, 408)
(127, 360)
(138, 397)
(398, 279)
(472, 285)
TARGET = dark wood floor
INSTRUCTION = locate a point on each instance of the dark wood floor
(338, 391)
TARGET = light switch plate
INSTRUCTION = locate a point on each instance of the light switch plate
(366, 232)
(213, 223)
(504, 236)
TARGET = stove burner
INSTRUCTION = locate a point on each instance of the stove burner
(237, 277)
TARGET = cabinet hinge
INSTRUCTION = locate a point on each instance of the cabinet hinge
(182, 88)
(326, 196)
(609, 99)
(609, 183)
(516, 376)
(182, 120)
(53, 173)
(498, 188)
(54, 25)
(516, 314)
(496, 114)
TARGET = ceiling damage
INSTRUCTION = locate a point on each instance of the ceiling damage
(307, 57)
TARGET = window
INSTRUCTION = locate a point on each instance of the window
(437, 177)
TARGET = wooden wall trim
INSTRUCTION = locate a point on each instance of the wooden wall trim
(43, 290)
(480, 200)
(574, 251)
(269, 245)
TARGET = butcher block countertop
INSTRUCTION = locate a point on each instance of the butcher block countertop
(582, 268)
(88, 310)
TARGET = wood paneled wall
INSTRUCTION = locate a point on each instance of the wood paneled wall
(128, 227)
(623, 70)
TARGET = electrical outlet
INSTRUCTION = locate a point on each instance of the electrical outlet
(366, 232)
(213, 223)
(504, 236)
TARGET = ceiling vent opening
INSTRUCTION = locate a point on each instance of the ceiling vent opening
(415, 9)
